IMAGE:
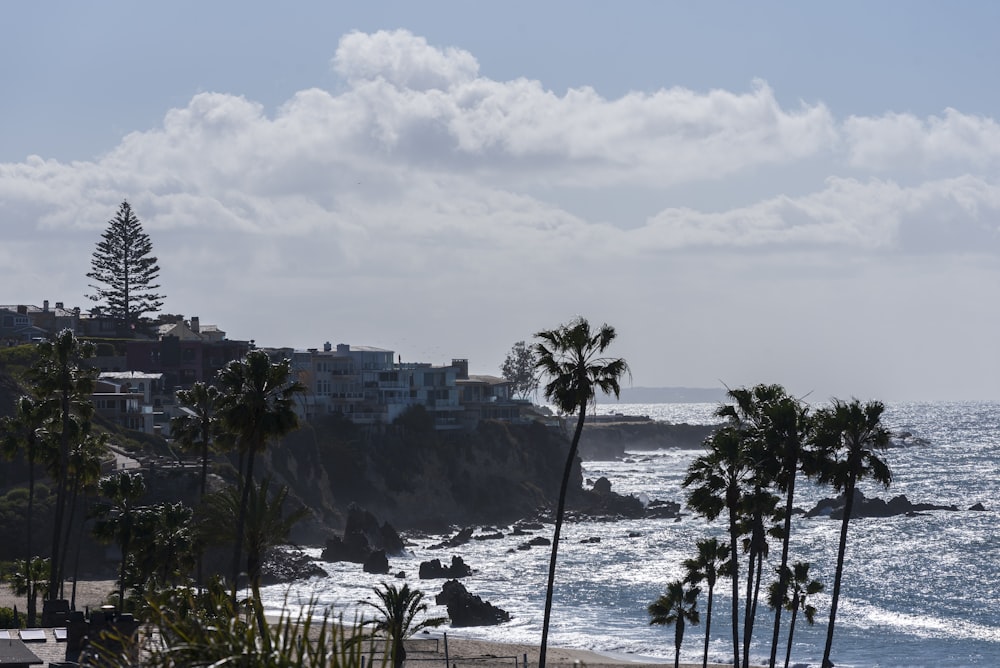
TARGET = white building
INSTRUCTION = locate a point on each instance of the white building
(366, 385)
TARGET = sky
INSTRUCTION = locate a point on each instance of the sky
(773, 192)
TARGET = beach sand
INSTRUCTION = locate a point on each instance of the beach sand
(424, 651)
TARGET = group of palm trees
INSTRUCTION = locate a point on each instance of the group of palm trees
(249, 406)
(747, 474)
(747, 477)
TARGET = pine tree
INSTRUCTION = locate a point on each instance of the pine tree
(124, 271)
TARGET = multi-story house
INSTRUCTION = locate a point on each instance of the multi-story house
(184, 354)
(366, 385)
(131, 400)
(369, 386)
(23, 323)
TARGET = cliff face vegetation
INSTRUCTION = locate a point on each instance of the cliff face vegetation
(416, 477)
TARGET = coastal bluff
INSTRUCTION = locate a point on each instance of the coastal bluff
(418, 478)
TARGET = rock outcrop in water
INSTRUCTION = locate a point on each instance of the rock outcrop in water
(435, 570)
(363, 537)
(466, 609)
(865, 507)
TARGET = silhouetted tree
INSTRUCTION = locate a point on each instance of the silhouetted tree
(678, 606)
(717, 481)
(398, 608)
(519, 368)
(711, 562)
(802, 587)
(255, 406)
(64, 385)
(849, 436)
(124, 270)
(571, 358)
(117, 516)
(24, 433)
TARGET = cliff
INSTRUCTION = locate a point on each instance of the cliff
(414, 477)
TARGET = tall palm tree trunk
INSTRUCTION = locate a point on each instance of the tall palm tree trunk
(560, 510)
(841, 551)
(62, 468)
(241, 520)
(734, 557)
(708, 626)
(121, 575)
(747, 607)
(678, 640)
(791, 628)
(66, 539)
(32, 605)
(783, 568)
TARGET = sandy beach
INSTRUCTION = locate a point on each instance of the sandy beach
(424, 650)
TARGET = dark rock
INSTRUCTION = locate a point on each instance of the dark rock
(377, 563)
(459, 539)
(433, 569)
(658, 509)
(363, 535)
(466, 609)
(865, 507)
(635, 534)
(602, 485)
(591, 540)
(537, 541)
(977, 507)
(287, 565)
(401, 575)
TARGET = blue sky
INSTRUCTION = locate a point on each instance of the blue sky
(800, 193)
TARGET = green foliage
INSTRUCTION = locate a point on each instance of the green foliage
(519, 368)
(677, 607)
(199, 631)
(123, 270)
(398, 608)
(7, 619)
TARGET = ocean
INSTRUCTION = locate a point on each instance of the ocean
(917, 591)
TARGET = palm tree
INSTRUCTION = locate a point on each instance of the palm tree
(785, 435)
(25, 432)
(265, 525)
(571, 358)
(64, 384)
(849, 437)
(163, 548)
(85, 470)
(117, 517)
(29, 579)
(255, 406)
(195, 427)
(802, 588)
(397, 608)
(677, 606)
(711, 562)
(194, 430)
(716, 480)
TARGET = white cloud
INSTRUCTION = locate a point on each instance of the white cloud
(903, 141)
(427, 208)
(875, 215)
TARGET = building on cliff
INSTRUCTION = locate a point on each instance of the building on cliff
(372, 386)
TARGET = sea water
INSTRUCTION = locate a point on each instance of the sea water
(919, 590)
